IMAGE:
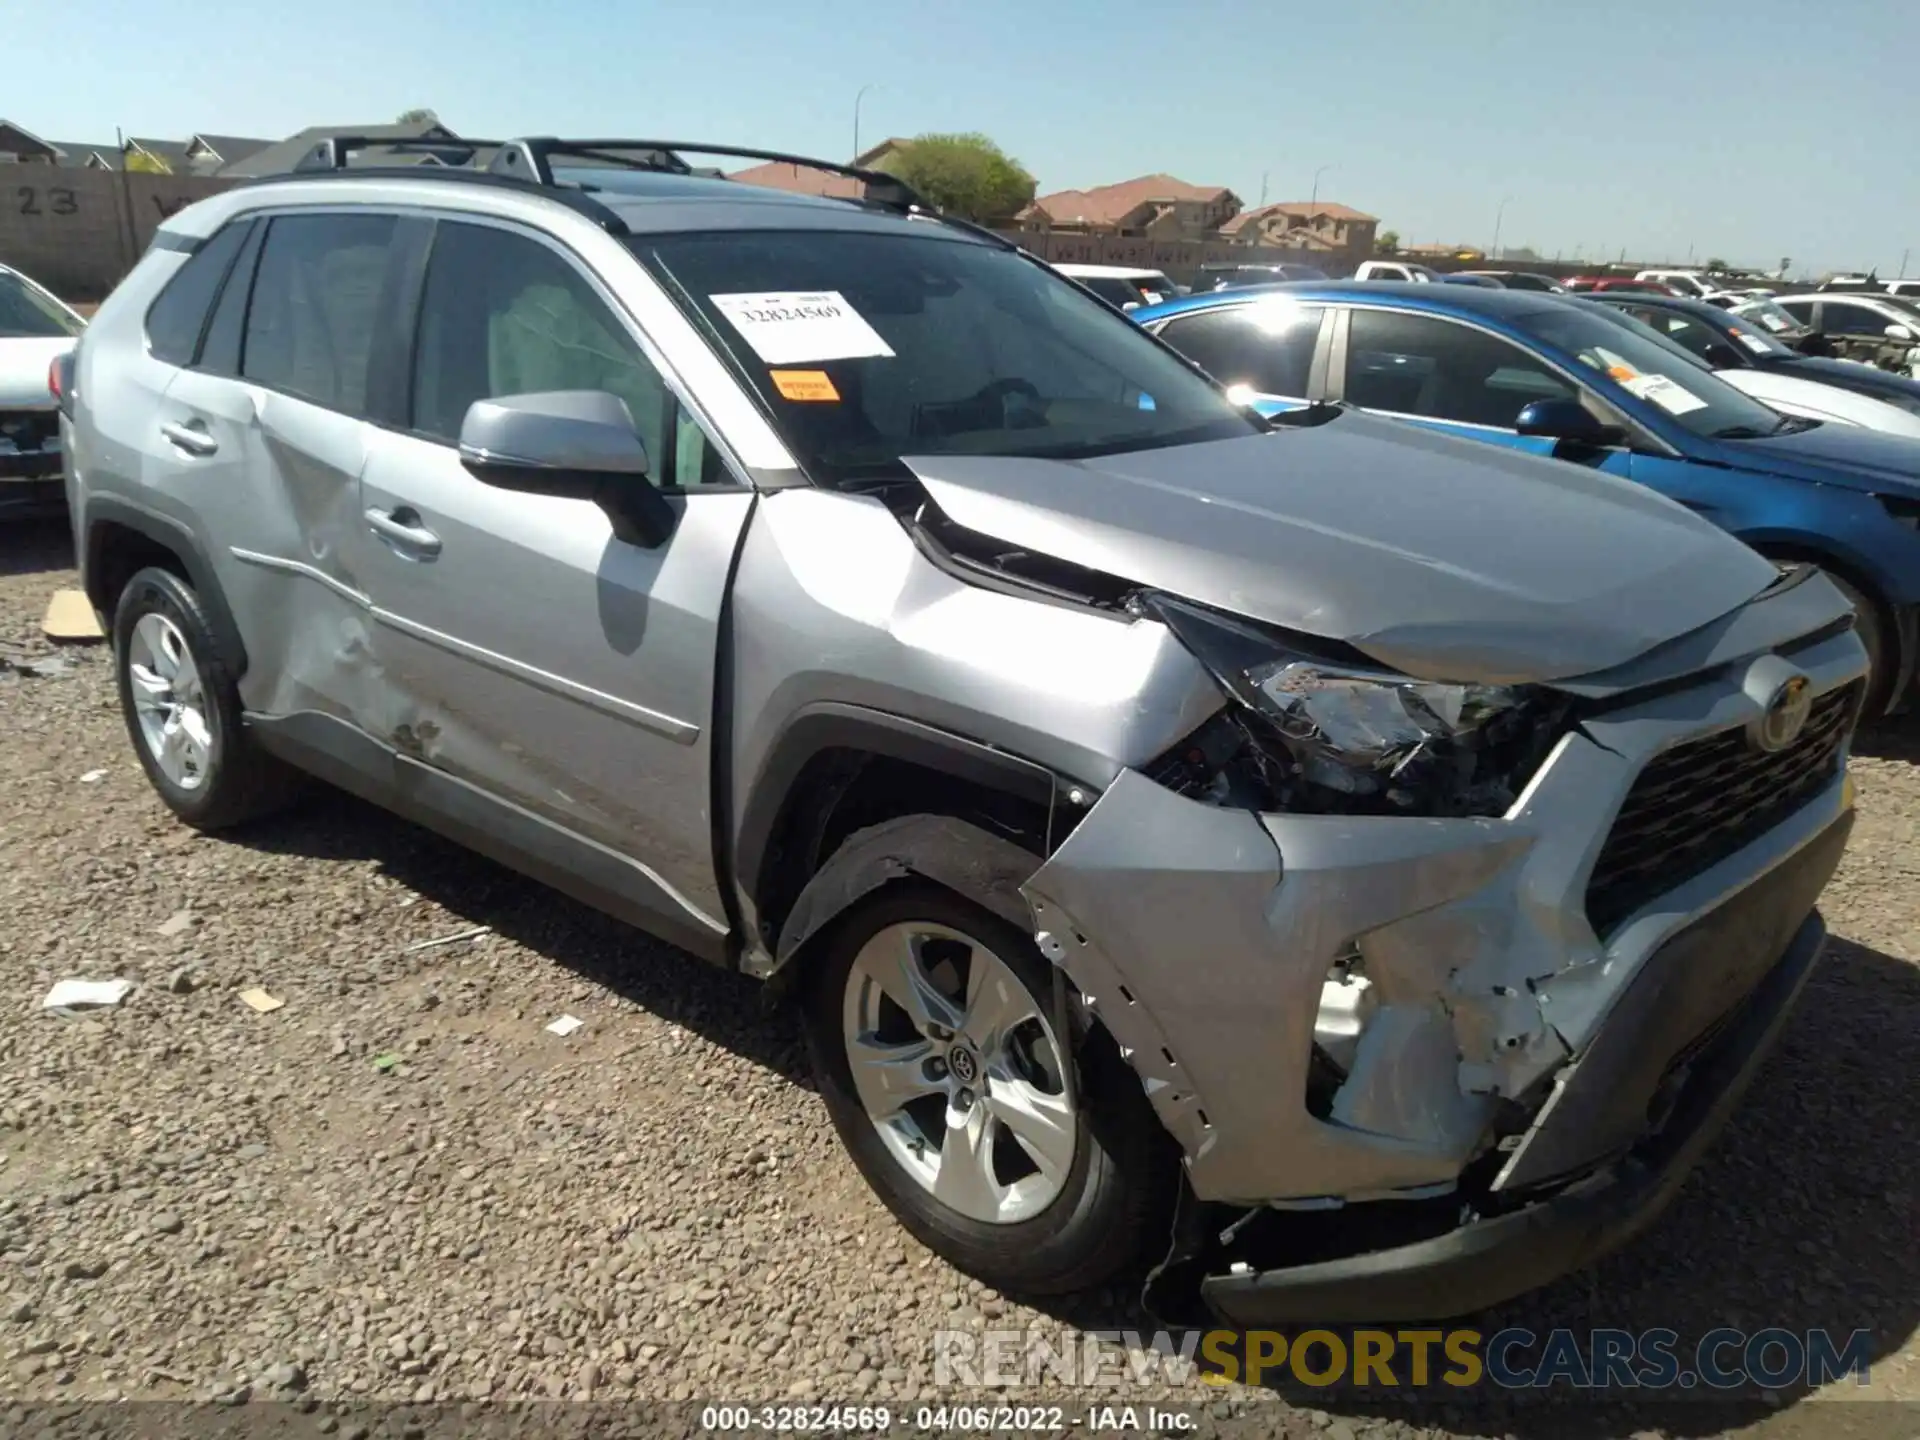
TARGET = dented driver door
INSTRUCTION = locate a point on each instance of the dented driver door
(533, 661)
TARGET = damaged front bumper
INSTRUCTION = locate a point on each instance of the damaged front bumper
(1547, 1052)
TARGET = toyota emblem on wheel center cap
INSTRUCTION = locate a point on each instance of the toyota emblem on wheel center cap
(965, 1068)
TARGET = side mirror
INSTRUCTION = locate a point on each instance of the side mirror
(1569, 421)
(574, 444)
(1899, 332)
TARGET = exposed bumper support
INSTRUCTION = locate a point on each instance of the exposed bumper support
(1490, 1261)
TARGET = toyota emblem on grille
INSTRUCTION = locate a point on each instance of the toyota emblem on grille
(1785, 716)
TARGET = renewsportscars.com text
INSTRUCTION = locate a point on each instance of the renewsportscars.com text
(1514, 1359)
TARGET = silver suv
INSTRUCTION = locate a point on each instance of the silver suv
(1353, 868)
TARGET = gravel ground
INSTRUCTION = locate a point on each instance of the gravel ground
(399, 1185)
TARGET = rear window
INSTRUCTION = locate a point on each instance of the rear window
(28, 313)
(868, 347)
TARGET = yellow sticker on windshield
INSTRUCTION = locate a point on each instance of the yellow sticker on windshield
(804, 385)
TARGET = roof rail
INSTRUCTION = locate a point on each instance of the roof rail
(335, 151)
(531, 158)
(574, 198)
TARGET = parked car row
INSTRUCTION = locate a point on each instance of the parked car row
(1355, 864)
(1583, 381)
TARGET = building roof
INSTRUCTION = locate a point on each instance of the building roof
(1295, 209)
(171, 153)
(800, 180)
(76, 154)
(1110, 204)
(27, 135)
(225, 149)
(280, 157)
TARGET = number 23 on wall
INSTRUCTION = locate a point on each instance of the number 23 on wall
(59, 200)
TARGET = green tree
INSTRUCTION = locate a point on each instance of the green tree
(1387, 242)
(968, 175)
(420, 116)
(1714, 262)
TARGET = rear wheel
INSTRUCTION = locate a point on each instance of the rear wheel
(944, 1069)
(182, 708)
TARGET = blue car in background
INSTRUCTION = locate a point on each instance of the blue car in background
(1581, 383)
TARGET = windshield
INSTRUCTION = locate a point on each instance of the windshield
(867, 346)
(1754, 332)
(1653, 369)
(28, 313)
(1768, 316)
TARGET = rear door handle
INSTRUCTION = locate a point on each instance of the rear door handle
(402, 529)
(190, 436)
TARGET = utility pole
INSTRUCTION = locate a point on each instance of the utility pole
(1263, 186)
(1314, 198)
(856, 116)
(1498, 216)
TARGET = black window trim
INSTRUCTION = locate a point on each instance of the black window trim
(1640, 440)
(409, 337)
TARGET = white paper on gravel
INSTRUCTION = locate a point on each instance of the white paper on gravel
(565, 1025)
(792, 327)
(86, 994)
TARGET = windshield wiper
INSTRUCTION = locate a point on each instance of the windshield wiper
(1743, 432)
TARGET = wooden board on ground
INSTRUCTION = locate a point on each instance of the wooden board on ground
(70, 617)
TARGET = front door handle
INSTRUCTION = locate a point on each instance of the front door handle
(190, 436)
(402, 529)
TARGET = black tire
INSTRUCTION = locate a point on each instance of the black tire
(241, 781)
(1117, 1199)
(1870, 624)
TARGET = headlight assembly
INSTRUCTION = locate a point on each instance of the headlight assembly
(1326, 736)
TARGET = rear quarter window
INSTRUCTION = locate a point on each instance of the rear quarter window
(178, 316)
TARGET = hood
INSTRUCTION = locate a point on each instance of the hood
(1843, 455)
(1445, 559)
(1793, 394)
(23, 369)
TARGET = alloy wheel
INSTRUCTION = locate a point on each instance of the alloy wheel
(170, 701)
(960, 1072)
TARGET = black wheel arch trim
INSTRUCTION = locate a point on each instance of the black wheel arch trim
(834, 725)
(179, 541)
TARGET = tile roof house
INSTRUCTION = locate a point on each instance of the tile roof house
(19, 146)
(206, 154)
(280, 157)
(800, 180)
(168, 157)
(1318, 226)
(77, 155)
(1155, 206)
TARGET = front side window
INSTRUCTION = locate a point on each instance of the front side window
(1266, 346)
(1853, 320)
(1441, 370)
(1653, 370)
(503, 314)
(869, 346)
(179, 313)
(316, 307)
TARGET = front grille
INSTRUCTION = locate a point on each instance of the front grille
(1701, 801)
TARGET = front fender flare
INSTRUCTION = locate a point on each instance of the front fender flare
(985, 868)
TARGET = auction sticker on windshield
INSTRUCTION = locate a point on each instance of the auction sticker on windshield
(1670, 397)
(795, 327)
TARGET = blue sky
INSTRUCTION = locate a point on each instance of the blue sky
(1750, 129)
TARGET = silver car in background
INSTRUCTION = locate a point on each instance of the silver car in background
(1373, 860)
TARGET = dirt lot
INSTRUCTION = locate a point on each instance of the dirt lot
(400, 1185)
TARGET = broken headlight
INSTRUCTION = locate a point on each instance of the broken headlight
(1323, 733)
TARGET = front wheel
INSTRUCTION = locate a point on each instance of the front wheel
(1870, 624)
(943, 1066)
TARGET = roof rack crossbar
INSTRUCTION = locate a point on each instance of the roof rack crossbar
(335, 152)
(531, 158)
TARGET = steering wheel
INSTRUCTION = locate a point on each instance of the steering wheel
(996, 392)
